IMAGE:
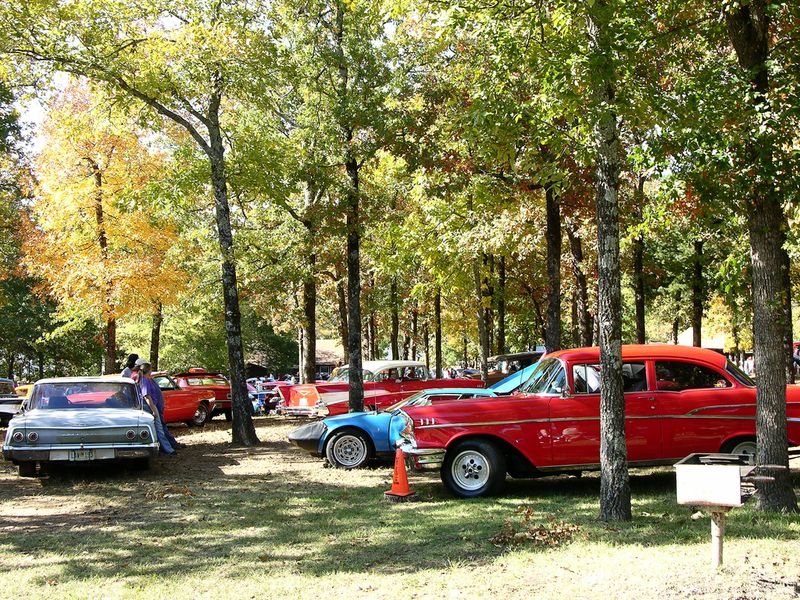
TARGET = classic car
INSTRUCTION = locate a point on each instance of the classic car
(78, 419)
(503, 365)
(351, 440)
(385, 383)
(678, 400)
(217, 383)
(10, 402)
(190, 405)
(268, 393)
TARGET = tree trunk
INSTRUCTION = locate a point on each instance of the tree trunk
(748, 29)
(373, 350)
(574, 330)
(309, 373)
(582, 297)
(437, 331)
(697, 294)
(356, 383)
(341, 295)
(414, 332)
(394, 340)
(638, 266)
(788, 340)
(615, 494)
(501, 306)
(40, 360)
(427, 340)
(243, 431)
(109, 312)
(553, 234)
(406, 346)
(483, 299)
(155, 336)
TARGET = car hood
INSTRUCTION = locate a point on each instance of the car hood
(352, 417)
(93, 417)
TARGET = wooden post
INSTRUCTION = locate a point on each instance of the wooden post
(718, 515)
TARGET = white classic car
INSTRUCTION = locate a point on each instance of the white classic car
(77, 419)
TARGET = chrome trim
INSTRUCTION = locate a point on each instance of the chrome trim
(716, 406)
(596, 466)
(572, 419)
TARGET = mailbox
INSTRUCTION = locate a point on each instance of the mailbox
(714, 479)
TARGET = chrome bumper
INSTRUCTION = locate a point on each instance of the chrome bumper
(61, 452)
(424, 459)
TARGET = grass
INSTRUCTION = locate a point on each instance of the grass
(271, 522)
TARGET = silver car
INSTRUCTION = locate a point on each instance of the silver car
(80, 419)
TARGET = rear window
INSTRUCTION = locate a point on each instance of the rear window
(6, 388)
(88, 395)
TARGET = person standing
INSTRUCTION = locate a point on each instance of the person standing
(158, 399)
(130, 362)
(142, 369)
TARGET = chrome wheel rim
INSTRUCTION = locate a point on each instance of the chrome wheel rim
(349, 450)
(470, 470)
(200, 415)
(748, 447)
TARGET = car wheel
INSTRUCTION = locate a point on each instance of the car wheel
(746, 446)
(229, 415)
(348, 449)
(27, 469)
(474, 468)
(200, 417)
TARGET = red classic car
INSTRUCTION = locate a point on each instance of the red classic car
(386, 382)
(199, 378)
(678, 400)
(192, 406)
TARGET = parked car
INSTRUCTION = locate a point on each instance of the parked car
(678, 400)
(190, 405)
(351, 440)
(503, 365)
(385, 383)
(80, 419)
(10, 402)
(199, 378)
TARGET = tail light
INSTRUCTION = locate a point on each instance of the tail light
(144, 434)
(130, 434)
(33, 436)
(18, 436)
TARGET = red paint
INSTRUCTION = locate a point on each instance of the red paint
(553, 431)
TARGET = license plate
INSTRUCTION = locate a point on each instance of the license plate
(81, 455)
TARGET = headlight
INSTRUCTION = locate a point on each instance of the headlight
(407, 433)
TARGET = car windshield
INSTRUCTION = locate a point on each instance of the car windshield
(343, 376)
(739, 375)
(548, 377)
(405, 402)
(6, 388)
(92, 394)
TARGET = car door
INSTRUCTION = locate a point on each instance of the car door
(575, 417)
(179, 405)
(701, 407)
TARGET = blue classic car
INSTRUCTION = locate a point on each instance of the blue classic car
(351, 440)
(80, 419)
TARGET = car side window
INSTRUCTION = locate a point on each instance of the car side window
(586, 378)
(675, 376)
(164, 383)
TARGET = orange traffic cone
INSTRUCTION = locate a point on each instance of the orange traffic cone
(400, 491)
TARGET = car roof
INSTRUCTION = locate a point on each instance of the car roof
(378, 365)
(515, 355)
(645, 351)
(90, 379)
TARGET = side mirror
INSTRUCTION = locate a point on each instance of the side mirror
(564, 393)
